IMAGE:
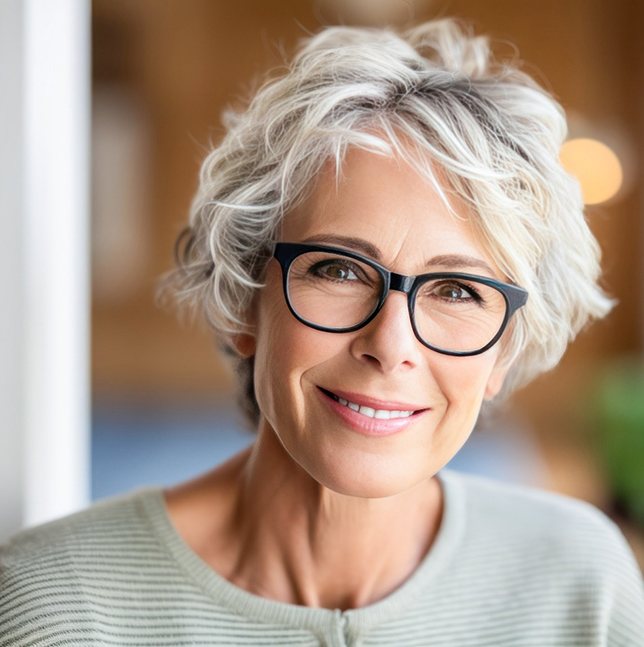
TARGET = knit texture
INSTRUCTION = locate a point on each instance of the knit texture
(510, 566)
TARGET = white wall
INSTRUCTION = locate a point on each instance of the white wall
(44, 157)
(11, 308)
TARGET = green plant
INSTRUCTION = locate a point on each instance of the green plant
(619, 426)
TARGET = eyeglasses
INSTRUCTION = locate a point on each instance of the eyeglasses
(453, 313)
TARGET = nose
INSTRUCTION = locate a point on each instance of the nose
(388, 341)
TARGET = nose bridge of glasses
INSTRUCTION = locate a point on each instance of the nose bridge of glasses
(400, 282)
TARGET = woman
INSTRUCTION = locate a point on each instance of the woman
(385, 241)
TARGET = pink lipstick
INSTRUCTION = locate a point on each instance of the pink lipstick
(371, 416)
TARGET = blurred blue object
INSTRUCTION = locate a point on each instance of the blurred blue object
(151, 443)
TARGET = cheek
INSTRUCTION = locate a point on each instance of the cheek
(463, 383)
(275, 349)
(285, 350)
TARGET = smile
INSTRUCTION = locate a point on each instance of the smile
(373, 407)
(372, 416)
(383, 414)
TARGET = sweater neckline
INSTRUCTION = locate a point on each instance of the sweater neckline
(353, 621)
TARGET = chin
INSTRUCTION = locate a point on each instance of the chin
(374, 478)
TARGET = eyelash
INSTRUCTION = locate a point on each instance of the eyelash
(345, 264)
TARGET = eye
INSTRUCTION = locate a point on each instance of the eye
(453, 292)
(337, 270)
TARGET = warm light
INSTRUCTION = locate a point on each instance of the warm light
(595, 166)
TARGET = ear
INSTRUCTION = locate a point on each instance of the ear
(244, 344)
(496, 380)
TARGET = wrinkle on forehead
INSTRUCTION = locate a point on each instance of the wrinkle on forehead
(337, 193)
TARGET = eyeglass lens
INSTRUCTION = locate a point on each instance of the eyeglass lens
(338, 292)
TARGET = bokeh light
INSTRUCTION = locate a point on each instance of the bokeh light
(596, 166)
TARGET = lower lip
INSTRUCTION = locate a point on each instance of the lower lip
(370, 426)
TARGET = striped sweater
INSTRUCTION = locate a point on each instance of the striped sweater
(510, 566)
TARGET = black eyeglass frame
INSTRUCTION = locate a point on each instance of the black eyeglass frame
(515, 297)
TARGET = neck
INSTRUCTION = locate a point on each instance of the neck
(300, 542)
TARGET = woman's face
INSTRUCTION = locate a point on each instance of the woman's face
(385, 204)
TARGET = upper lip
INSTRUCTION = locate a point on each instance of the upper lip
(374, 403)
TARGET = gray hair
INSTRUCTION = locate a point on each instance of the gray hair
(435, 96)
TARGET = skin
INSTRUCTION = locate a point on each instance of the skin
(305, 515)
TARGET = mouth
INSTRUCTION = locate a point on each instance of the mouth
(372, 408)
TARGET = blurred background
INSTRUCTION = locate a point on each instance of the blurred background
(162, 71)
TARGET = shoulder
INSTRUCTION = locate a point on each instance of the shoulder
(532, 504)
(50, 574)
(549, 521)
(71, 534)
(557, 551)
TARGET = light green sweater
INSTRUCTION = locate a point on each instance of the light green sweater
(510, 567)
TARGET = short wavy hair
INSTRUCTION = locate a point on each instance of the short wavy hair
(436, 96)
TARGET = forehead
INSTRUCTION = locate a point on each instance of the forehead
(384, 201)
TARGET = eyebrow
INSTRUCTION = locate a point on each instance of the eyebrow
(357, 244)
(455, 261)
(447, 261)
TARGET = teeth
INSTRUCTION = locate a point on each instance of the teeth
(384, 414)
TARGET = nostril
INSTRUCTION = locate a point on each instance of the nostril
(371, 359)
